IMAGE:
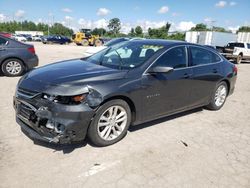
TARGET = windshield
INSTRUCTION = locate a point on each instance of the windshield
(125, 55)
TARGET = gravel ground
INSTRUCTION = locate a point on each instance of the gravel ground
(199, 148)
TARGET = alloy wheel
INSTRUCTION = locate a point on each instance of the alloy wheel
(112, 123)
(220, 95)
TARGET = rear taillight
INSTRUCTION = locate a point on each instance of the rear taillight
(235, 69)
(32, 50)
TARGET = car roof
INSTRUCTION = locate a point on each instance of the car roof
(161, 42)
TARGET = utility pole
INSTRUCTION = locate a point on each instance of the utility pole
(48, 28)
(21, 24)
(212, 22)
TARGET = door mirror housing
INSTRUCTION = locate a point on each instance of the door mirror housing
(160, 69)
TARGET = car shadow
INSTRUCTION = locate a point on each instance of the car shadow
(65, 148)
(68, 148)
(161, 120)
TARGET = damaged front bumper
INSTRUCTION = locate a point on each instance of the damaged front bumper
(51, 122)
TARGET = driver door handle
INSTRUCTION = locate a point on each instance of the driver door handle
(186, 75)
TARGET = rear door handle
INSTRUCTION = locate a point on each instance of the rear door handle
(2, 49)
(215, 70)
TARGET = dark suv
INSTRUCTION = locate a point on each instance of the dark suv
(16, 57)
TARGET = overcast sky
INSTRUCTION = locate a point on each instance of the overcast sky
(183, 14)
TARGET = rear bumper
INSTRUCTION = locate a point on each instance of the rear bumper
(229, 56)
(232, 84)
(32, 62)
(73, 121)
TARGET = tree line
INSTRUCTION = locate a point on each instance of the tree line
(56, 28)
(114, 29)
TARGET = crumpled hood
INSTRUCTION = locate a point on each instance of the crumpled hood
(68, 77)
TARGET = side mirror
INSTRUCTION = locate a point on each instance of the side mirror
(160, 69)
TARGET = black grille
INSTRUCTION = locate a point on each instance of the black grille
(27, 111)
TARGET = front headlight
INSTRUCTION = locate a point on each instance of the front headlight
(69, 100)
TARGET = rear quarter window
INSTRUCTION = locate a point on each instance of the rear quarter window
(200, 56)
(2, 41)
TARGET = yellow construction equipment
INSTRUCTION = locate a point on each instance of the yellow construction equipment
(85, 38)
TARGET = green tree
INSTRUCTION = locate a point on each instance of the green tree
(114, 26)
(132, 32)
(220, 29)
(168, 25)
(159, 33)
(60, 29)
(200, 27)
(13, 26)
(138, 31)
(99, 31)
(177, 36)
(244, 29)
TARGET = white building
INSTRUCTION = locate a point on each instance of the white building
(32, 33)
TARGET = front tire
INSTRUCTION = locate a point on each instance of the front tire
(110, 123)
(219, 97)
(13, 67)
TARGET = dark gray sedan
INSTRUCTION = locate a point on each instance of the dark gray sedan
(127, 84)
(16, 57)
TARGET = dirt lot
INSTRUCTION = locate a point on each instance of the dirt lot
(200, 148)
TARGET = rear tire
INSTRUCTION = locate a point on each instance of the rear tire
(13, 67)
(110, 123)
(239, 59)
(219, 97)
(98, 42)
(85, 42)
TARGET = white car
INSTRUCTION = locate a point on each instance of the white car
(37, 38)
(92, 50)
(20, 38)
(242, 53)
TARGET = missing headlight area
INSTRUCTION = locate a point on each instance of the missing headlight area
(91, 97)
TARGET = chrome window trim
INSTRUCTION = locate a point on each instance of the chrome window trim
(145, 72)
(191, 66)
(221, 60)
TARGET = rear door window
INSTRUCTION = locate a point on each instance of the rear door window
(200, 56)
(2, 41)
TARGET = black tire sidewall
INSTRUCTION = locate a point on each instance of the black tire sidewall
(93, 128)
(6, 73)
